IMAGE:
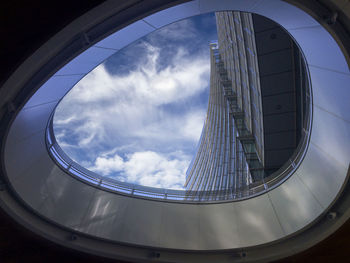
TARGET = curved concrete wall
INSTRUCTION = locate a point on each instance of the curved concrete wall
(285, 210)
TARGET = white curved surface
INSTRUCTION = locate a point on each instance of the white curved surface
(284, 210)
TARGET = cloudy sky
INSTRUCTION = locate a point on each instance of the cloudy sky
(138, 116)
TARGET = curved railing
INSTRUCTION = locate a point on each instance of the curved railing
(162, 194)
(108, 184)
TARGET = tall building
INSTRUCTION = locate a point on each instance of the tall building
(230, 154)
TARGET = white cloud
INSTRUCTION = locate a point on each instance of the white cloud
(106, 165)
(181, 30)
(146, 85)
(193, 125)
(146, 168)
(103, 106)
(147, 114)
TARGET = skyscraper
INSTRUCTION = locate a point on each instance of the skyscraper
(230, 153)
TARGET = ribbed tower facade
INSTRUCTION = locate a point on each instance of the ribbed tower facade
(230, 153)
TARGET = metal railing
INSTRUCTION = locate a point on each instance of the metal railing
(228, 195)
(77, 171)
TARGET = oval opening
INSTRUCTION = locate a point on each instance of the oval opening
(132, 124)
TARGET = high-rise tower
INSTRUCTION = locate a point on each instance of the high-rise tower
(230, 154)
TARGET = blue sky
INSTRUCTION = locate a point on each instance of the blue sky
(138, 116)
